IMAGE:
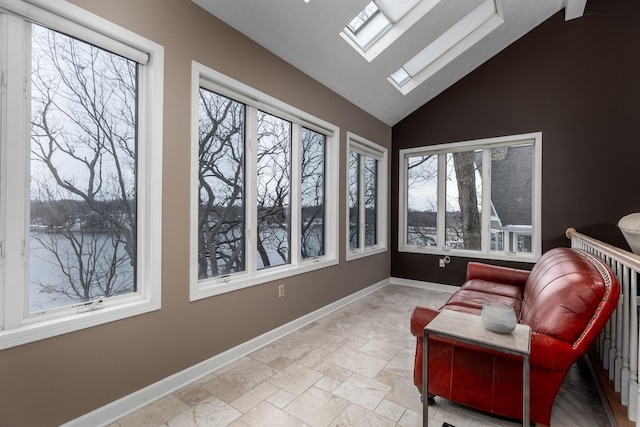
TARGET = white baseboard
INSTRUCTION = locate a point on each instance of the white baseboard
(423, 285)
(136, 400)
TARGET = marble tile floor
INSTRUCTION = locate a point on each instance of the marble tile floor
(353, 367)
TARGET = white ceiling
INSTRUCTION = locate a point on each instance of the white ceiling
(307, 36)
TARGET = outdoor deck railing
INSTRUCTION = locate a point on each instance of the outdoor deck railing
(618, 343)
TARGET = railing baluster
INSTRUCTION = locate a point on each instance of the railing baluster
(620, 321)
(632, 410)
(607, 332)
(623, 276)
(606, 345)
(615, 335)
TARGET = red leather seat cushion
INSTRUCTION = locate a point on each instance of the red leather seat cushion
(495, 288)
(475, 293)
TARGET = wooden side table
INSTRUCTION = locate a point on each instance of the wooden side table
(468, 328)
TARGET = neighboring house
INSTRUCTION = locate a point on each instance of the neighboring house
(511, 171)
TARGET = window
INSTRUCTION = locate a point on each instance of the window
(470, 29)
(366, 28)
(363, 18)
(475, 198)
(221, 248)
(313, 194)
(274, 191)
(263, 174)
(80, 234)
(381, 23)
(366, 197)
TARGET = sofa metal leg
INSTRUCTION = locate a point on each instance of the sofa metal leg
(431, 399)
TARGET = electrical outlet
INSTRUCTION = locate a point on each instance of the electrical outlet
(441, 262)
(281, 290)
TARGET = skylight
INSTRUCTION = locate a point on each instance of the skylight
(381, 22)
(485, 18)
(401, 76)
(363, 17)
(367, 26)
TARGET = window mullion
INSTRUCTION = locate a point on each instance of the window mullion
(442, 199)
(251, 191)
(381, 205)
(295, 231)
(536, 201)
(4, 42)
(331, 181)
(361, 204)
(486, 201)
(15, 164)
(403, 203)
(376, 201)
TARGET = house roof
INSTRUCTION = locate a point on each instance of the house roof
(511, 186)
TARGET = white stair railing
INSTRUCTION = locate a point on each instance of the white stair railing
(618, 343)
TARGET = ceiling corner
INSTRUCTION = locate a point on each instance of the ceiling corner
(574, 9)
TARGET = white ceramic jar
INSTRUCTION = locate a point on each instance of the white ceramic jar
(499, 318)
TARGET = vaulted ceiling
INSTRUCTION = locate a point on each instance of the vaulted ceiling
(453, 37)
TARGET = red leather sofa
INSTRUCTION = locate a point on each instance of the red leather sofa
(566, 298)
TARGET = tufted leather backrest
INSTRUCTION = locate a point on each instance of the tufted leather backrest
(569, 295)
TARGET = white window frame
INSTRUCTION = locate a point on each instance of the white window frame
(16, 326)
(485, 252)
(205, 77)
(368, 148)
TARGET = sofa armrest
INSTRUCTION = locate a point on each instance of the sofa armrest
(551, 353)
(420, 317)
(494, 273)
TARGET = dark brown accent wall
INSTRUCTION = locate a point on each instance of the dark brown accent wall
(578, 82)
(49, 382)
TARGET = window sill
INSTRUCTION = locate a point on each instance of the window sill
(357, 254)
(217, 286)
(35, 329)
(500, 256)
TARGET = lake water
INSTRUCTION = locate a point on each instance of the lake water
(45, 270)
